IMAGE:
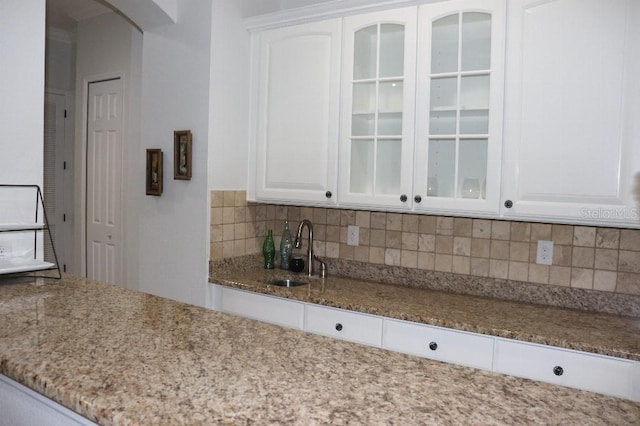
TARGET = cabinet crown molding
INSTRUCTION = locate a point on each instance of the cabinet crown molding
(326, 10)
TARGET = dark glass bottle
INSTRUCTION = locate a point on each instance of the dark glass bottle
(269, 251)
(286, 247)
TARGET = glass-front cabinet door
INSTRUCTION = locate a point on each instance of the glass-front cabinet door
(459, 106)
(376, 146)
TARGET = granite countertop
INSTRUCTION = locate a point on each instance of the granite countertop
(120, 357)
(600, 333)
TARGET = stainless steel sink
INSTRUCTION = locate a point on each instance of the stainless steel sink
(286, 282)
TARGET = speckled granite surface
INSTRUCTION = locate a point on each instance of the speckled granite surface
(600, 333)
(120, 357)
(518, 291)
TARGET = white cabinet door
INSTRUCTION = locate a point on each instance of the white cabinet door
(459, 106)
(610, 376)
(261, 307)
(294, 154)
(572, 110)
(438, 343)
(378, 94)
(346, 325)
(20, 406)
(453, 165)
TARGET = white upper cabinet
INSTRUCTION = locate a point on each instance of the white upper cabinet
(459, 106)
(294, 149)
(378, 95)
(526, 109)
(572, 111)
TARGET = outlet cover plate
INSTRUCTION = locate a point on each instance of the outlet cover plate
(544, 255)
(353, 235)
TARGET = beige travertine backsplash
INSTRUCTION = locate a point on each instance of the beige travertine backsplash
(598, 258)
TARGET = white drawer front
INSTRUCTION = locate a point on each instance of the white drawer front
(345, 325)
(438, 343)
(265, 308)
(595, 373)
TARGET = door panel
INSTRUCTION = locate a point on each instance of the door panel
(570, 153)
(104, 171)
(296, 145)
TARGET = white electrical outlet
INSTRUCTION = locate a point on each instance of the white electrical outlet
(544, 256)
(5, 250)
(353, 235)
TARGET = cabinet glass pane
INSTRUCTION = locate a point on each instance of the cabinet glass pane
(444, 93)
(388, 166)
(363, 109)
(390, 124)
(361, 179)
(390, 96)
(474, 92)
(364, 98)
(441, 167)
(472, 168)
(474, 122)
(362, 124)
(476, 41)
(365, 52)
(390, 108)
(442, 123)
(391, 50)
(444, 44)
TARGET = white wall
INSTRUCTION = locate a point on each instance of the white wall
(108, 46)
(229, 117)
(171, 232)
(21, 91)
(167, 78)
(22, 42)
(60, 61)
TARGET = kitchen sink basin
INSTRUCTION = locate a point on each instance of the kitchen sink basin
(286, 282)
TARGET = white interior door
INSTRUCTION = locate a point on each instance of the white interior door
(104, 171)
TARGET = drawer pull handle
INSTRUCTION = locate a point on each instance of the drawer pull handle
(328, 194)
(558, 371)
(433, 346)
(338, 326)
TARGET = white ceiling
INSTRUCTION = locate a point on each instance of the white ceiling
(64, 14)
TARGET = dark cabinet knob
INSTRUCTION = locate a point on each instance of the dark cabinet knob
(338, 326)
(508, 204)
(558, 371)
(403, 198)
(417, 199)
(328, 194)
(433, 346)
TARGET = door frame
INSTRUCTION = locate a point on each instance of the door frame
(80, 181)
(65, 252)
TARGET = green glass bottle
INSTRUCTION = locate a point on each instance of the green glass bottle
(269, 251)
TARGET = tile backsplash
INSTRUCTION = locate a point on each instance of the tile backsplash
(597, 258)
